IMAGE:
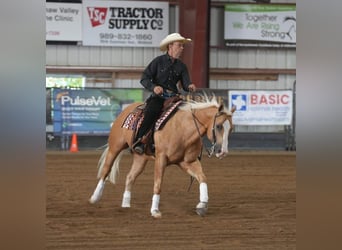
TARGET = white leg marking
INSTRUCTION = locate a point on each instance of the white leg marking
(98, 192)
(126, 199)
(203, 192)
(202, 206)
(155, 206)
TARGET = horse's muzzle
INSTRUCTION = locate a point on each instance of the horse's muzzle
(220, 154)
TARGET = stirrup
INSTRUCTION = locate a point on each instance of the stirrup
(139, 148)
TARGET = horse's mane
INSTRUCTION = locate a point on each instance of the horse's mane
(204, 102)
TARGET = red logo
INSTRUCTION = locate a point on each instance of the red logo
(274, 99)
(97, 15)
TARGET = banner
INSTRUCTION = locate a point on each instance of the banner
(125, 23)
(262, 107)
(63, 22)
(89, 111)
(260, 22)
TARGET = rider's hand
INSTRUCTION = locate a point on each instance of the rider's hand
(158, 90)
(192, 88)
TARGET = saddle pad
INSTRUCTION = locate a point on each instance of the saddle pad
(131, 121)
(166, 115)
(134, 119)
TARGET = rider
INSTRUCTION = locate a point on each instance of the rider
(161, 77)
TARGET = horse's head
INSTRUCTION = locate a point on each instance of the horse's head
(221, 128)
(214, 120)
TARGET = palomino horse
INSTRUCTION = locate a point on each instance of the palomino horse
(179, 142)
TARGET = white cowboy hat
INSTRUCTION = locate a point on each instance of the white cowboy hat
(174, 37)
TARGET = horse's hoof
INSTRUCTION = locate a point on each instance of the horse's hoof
(156, 214)
(93, 200)
(202, 208)
(125, 205)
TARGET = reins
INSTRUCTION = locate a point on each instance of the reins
(199, 133)
(201, 153)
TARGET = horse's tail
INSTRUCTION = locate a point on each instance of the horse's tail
(114, 169)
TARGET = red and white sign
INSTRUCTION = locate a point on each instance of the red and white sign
(63, 22)
(97, 16)
(262, 107)
(125, 23)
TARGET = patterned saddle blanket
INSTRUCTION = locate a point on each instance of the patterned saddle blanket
(135, 118)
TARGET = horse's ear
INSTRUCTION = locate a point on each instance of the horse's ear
(233, 109)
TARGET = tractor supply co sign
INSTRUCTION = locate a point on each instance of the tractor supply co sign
(125, 23)
(63, 22)
(261, 22)
(262, 107)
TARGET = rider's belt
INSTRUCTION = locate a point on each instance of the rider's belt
(169, 91)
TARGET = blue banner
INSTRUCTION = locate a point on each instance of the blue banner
(89, 111)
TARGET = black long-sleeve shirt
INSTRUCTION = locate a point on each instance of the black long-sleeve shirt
(163, 72)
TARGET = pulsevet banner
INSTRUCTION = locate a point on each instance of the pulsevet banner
(260, 22)
(63, 21)
(125, 23)
(262, 107)
(89, 111)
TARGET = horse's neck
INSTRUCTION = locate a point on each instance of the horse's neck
(186, 123)
(201, 119)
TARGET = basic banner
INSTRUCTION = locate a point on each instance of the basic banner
(125, 23)
(262, 107)
(89, 111)
(260, 22)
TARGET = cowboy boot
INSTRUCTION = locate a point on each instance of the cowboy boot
(139, 146)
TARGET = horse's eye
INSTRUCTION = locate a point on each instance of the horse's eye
(219, 127)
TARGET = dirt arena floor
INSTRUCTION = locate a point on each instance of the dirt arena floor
(252, 205)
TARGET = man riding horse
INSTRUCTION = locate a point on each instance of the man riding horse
(161, 77)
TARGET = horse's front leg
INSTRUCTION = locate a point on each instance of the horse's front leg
(159, 169)
(195, 170)
(202, 206)
(138, 166)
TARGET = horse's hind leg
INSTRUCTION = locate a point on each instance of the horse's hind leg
(118, 141)
(97, 194)
(105, 167)
(138, 166)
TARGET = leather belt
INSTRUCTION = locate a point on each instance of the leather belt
(169, 91)
(167, 94)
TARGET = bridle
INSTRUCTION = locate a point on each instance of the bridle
(213, 132)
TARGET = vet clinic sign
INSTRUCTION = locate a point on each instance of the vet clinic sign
(125, 23)
(63, 21)
(262, 107)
